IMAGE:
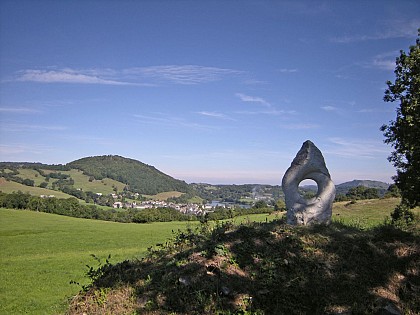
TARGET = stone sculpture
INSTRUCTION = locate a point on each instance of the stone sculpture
(308, 164)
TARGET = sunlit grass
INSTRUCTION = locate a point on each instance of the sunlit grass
(41, 253)
(10, 186)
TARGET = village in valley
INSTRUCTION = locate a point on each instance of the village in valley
(184, 208)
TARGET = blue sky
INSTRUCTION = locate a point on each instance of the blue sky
(205, 91)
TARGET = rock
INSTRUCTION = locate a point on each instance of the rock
(308, 164)
(225, 291)
(387, 307)
(184, 281)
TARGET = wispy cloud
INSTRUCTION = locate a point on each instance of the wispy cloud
(12, 150)
(394, 29)
(298, 126)
(384, 61)
(269, 111)
(285, 70)
(182, 74)
(86, 138)
(65, 76)
(374, 110)
(336, 110)
(19, 110)
(31, 127)
(215, 115)
(170, 121)
(329, 108)
(253, 99)
(355, 148)
(136, 76)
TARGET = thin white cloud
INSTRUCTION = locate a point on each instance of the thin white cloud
(384, 61)
(329, 108)
(136, 76)
(182, 74)
(31, 127)
(255, 82)
(66, 76)
(298, 126)
(214, 115)
(356, 148)
(375, 110)
(84, 138)
(170, 121)
(19, 110)
(285, 70)
(13, 150)
(270, 111)
(394, 29)
(253, 99)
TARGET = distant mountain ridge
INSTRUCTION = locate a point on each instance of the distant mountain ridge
(140, 177)
(146, 179)
(342, 189)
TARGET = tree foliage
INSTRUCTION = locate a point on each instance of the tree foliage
(362, 192)
(404, 132)
(72, 208)
(140, 177)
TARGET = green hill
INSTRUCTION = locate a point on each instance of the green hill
(140, 177)
(345, 187)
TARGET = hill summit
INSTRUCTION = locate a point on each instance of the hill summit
(140, 177)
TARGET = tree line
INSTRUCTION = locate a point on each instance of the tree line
(73, 208)
(362, 192)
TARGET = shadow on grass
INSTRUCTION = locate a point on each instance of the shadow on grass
(268, 268)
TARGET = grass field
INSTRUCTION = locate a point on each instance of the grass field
(364, 213)
(164, 195)
(31, 174)
(41, 253)
(105, 186)
(81, 181)
(10, 186)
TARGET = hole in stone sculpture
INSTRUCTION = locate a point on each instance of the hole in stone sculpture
(308, 188)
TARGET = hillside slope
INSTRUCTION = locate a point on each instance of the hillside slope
(268, 268)
(140, 177)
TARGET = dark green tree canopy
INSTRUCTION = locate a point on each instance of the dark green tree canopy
(404, 133)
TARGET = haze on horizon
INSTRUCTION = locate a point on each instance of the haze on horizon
(205, 91)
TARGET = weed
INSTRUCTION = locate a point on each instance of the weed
(94, 273)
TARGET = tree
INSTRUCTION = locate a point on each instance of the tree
(404, 133)
(43, 185)
(260, 204)
(28, 182)
(280, 205)
(362, 192)
(392, 192)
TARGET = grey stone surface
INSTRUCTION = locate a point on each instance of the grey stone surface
(308, 164)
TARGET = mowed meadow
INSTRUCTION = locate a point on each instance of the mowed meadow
(41, 253)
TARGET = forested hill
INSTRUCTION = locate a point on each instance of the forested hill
(345, 187)
(140, 177)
